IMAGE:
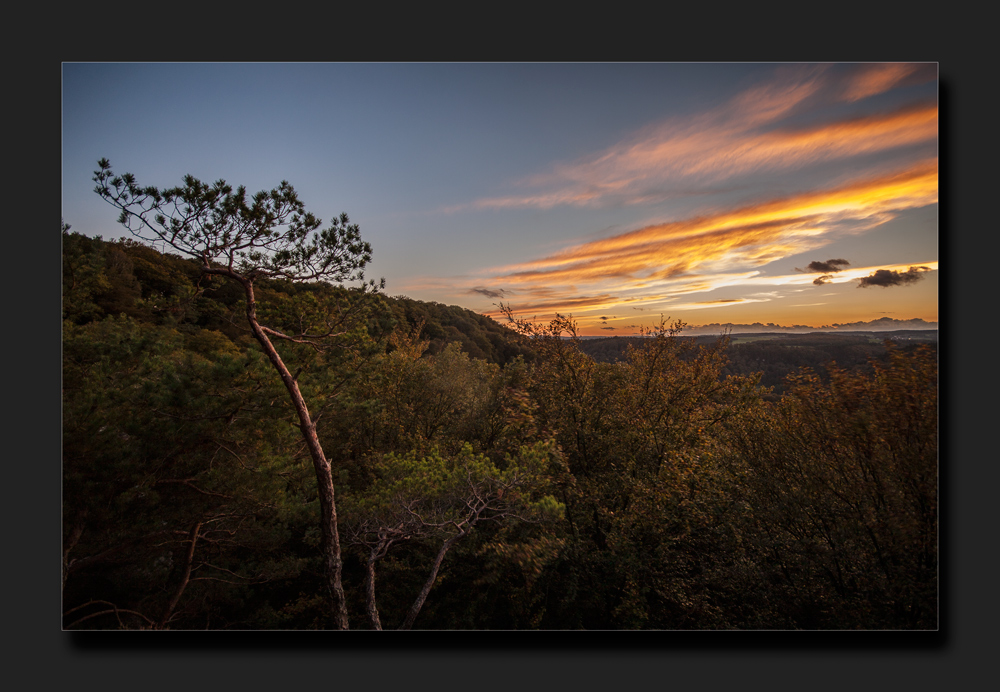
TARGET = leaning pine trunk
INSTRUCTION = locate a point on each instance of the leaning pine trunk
(329, 536)
(220, 225)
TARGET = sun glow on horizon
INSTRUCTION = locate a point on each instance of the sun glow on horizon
(659, 264)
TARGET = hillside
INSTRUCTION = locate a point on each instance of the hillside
(103, 278)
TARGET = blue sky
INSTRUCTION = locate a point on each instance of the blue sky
(712, 192)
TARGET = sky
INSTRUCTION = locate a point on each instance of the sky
(622, 194)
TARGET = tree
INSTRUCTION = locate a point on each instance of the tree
(646, 497)
(440, 499)
(268, 236)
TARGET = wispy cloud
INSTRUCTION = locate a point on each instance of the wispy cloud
(749, 236)
(876, 78)
(750, 282)
(742, 137)
(805, 121)
(661, 262)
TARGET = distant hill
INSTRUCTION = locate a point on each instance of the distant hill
(882, 324)
(777, 355)
(104, 278)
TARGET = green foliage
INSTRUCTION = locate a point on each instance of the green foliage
(432, 501)
(478, 335)
(440, 488)
(159, 441)
(97, 279)
(407, 399)
(530, 484)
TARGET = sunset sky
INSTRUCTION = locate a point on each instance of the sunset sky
(784, 193)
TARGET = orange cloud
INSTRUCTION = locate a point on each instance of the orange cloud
(878, 78)
(773, 229)
(587, 308)
(794, 148)
(732, 141)
(660, 262)
(771, 101)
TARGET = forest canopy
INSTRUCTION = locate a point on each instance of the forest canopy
(488, 475)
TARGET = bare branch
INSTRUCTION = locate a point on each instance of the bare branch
(114, 610)
(188, 482)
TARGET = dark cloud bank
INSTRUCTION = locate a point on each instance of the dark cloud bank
(830, 266)
(887, 277)
(881, 277)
